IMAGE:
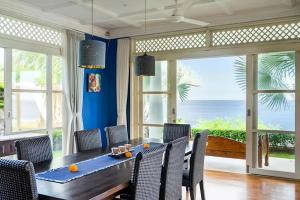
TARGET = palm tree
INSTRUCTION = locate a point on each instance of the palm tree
(184, 83)
(275, 71)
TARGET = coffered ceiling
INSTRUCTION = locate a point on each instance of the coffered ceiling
(125, 17)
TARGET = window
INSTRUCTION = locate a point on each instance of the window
(57, 92)
(34, 96)
(57, 101)
(155, 101)
(28, 90)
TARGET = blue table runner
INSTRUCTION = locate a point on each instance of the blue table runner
(63, 175)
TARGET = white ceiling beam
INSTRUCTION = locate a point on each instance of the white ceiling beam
(291, 3)
(106, 12)
(225, 6)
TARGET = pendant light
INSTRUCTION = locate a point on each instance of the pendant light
(145, 64)
(92, 52)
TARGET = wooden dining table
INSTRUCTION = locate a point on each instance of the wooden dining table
(103, 184)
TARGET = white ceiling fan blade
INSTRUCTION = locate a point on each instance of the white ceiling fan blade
(155, 19)
(193, 21)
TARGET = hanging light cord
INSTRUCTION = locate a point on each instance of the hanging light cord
(145, 24)
(92, 19)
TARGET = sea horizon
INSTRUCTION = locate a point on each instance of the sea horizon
(193, 111)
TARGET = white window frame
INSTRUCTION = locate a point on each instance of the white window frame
(171, 82)
(49, 53)
(249, 49)
(252, 129)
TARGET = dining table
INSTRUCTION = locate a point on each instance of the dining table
(103, 184)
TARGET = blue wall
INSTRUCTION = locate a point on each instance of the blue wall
(100, 109)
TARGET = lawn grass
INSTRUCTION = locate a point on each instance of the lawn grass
(285, 155)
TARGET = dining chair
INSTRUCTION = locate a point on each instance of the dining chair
(171, 179)
(194, 175)
(174, 131)
(116, 135)
(34, 150)
(145, 181)
(88, 139)
(17, 180)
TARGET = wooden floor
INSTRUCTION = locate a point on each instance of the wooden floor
(234, 186)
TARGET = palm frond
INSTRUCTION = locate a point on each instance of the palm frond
(240, 72)
(183, 90)
(275, 102)
(273, 71)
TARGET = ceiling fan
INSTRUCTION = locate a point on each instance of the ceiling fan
(177, 16)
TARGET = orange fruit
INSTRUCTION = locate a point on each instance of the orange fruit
(146, 145)
(73, 168)
(128, 154)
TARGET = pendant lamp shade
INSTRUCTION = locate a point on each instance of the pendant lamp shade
(145, 65)
(92, 54)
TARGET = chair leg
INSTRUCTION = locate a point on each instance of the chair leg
(202, 190)
(192, 193)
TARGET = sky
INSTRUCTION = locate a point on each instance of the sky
(215, 77)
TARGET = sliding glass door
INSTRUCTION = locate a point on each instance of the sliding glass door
(250, 100)
(272, 113)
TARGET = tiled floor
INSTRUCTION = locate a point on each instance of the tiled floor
(234, 186)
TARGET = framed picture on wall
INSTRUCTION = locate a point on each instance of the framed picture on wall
(94, 82)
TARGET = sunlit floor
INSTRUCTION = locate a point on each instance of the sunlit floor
(225, 164)
(239, 165)
(281, 164)
(234, 186)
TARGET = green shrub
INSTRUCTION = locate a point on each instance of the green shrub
(282, 140)
(285, 141)
(237, 135)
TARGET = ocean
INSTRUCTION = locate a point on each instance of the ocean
(194, 111)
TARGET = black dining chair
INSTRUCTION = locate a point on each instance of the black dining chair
(116, 135)
(171, 179)
(194, 175)
(174, 131)
(34, 150)
(17, 180)
(88, 139)
(145, 181)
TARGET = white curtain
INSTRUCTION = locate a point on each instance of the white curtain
(73, 91)
(123, 55)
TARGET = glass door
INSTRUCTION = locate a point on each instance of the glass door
(272, 113)
(211, 94)
(154, 101)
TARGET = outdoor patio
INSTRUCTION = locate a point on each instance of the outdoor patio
(239, 165)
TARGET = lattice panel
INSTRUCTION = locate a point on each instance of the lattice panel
(255, 34)
(21, 29)
(186, 41)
